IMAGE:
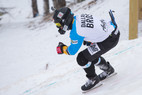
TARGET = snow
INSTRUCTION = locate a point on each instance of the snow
(27, 46)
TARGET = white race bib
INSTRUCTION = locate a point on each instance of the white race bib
(93, 49)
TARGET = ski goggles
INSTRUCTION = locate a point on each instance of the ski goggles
(58, 25)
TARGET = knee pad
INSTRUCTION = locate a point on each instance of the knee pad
(81, 60)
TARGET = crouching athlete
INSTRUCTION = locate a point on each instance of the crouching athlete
(98, 34)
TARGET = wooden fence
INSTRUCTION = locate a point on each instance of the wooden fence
(135, 14)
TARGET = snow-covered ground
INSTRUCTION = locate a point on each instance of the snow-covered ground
(27, 46)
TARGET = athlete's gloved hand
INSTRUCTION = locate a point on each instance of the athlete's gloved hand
(61, 48)
(86, 43)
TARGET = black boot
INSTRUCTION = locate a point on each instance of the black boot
(92, 82)
(107, 71)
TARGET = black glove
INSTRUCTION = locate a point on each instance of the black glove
(86, 43)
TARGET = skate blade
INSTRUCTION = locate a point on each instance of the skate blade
(96, 86)
(113, 74)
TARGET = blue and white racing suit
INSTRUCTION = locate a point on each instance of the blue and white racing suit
(87, 27)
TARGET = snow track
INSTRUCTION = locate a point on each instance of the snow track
(26, 46)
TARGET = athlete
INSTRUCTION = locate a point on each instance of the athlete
(98, 34)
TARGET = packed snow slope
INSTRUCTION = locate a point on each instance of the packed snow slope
(28, 44)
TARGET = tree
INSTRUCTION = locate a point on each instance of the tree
(80, 1)
(46, 7)
(59, 3)
(35, 8)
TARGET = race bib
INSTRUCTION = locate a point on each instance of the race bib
(93, 49)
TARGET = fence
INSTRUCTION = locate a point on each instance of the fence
(135, 14)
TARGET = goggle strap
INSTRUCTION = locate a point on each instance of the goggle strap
(65, 27)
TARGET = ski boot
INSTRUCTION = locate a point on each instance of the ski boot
(107, 71)
(91, 83)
